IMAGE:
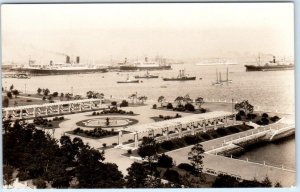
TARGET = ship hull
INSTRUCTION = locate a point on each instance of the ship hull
(136, 81)
(133, 68)
(146, 77)
(269, 68)
(180, 79)
(40, 72)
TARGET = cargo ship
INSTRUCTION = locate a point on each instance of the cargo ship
(143, 65)
(69, 67)
(181, 77)
(270, 66)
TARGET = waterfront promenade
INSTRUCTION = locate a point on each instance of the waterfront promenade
(243, 169)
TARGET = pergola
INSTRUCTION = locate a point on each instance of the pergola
(51, 108)
(181, 126)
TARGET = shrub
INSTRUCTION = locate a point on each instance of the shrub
(265, 115)
(44, 98)
(265, 121)
(187, 167)
(104, 145)
(221, 132)
(161, 116)
(94, 113)
(205, 136)
(130, 140)
(124, 103)
(242, 113)
(55, 94)
(129, 151)
(165, 161)
(275, 118)
(39, 183)
(28, 100)
(189, 107)
(114, 144)
(233, 129)
(259, 122)
(238, 117)
(251, 116)
(169, 106)
(190, 139)
(114, 103)
(167, 145)
(154, 106)
(202, 110)
(172, 175)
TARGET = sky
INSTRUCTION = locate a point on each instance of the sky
(103, 32)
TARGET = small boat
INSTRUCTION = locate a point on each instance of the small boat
(129, 80)
(22, 76)
(180, 77)
(146, 76)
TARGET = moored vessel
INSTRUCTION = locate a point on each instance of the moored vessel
(181, 77)
(270, 66)
(68, 67)
(144, 65)
(128, 80)
(146, 76)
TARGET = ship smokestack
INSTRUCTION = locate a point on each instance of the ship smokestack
(125, 60)
(146, 59)
(78, 59)
(274, 59)
(68, 59)
(51, 62)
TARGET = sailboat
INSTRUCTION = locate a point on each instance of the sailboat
(227, 80)
(218, 80)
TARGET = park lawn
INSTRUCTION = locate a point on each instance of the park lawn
(19, 101)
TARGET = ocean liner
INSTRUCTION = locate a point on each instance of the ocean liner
(144, 65)
(69, 67)
(181, 77)
(270, 66)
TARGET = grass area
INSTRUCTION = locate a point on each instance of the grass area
(48, 123)
(19, 101)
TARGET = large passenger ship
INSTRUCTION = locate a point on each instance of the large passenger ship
(144, 65)
(68, 67)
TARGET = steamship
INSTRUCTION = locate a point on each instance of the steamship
(270, 66)
(144, 65)
(69, 67)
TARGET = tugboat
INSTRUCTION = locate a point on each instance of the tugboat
(128, 80)
(146, 76)
(181, 77)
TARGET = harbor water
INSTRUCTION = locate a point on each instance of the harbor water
(271, 91)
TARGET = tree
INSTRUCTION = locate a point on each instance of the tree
(137, 175)
(46, 91)
(266, 182)
(179, 100)
(196, 158)
(55, 94)
(199, 101)
(148, 150)
(39, 90)
(172, 175)
(132, 97)
(278, 184)
(225, 181)
(189, 107)
(187, 98)
(8, 174)
(11, 87)
(5, 101)
(165, 161)
(142, 99)
(161, 99)
(244, 106)
(15, 93)
(9, 95)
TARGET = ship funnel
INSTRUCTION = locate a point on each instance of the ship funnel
(274, 59)
(78, 59)
(125, 60)
(68, 59)
(146, 59)
(51, 62)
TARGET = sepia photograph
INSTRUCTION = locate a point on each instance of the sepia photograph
(148, 95)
